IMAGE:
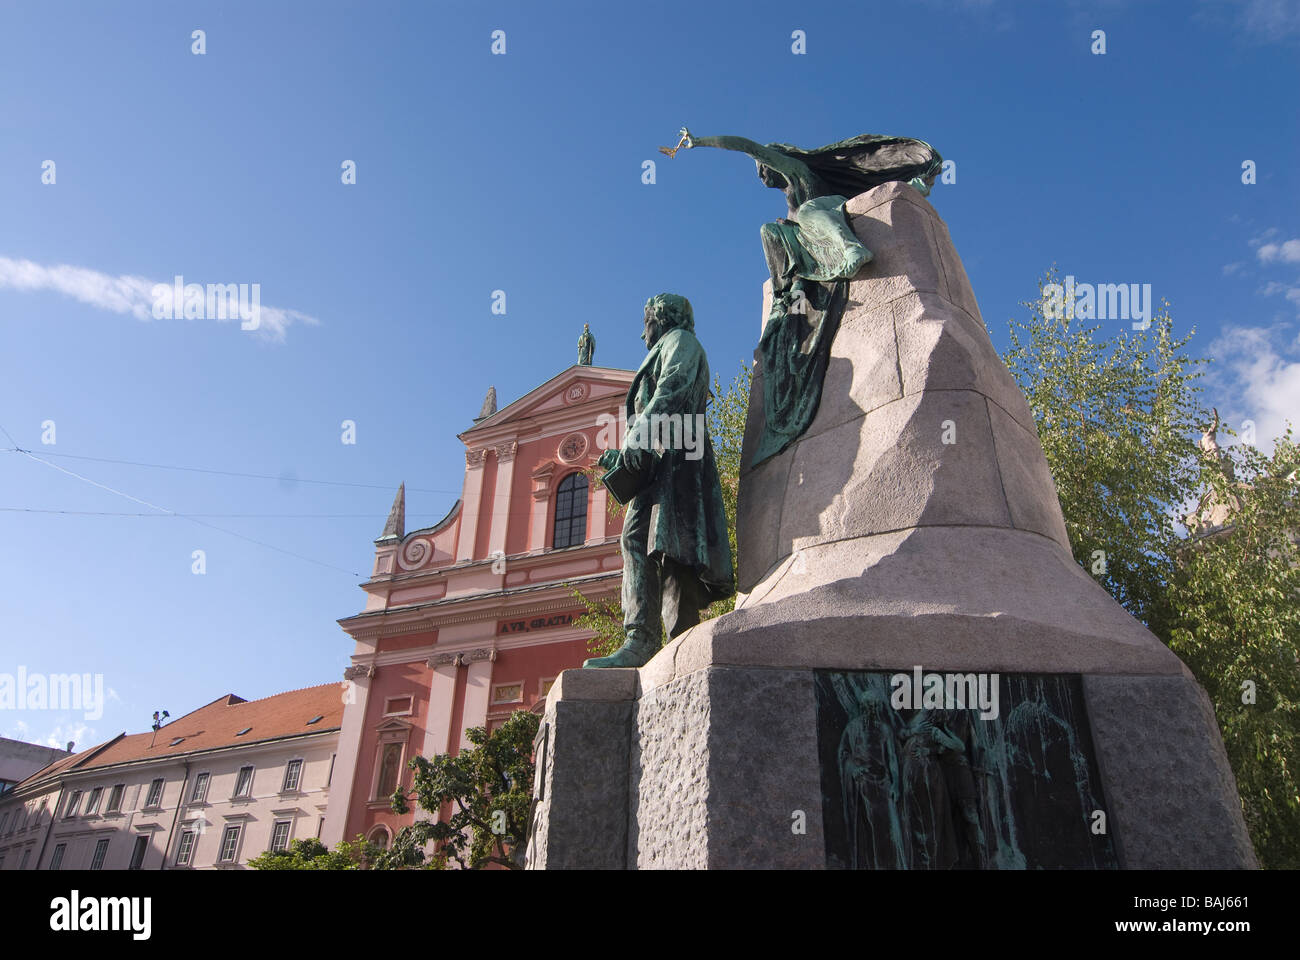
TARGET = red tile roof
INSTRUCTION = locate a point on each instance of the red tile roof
(218, 724)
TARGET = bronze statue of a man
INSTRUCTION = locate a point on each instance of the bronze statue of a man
(586, 346)
(676, 555)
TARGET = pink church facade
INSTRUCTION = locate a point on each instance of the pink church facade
(471, 619)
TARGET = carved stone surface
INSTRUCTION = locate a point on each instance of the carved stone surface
(580, 814)
(489, 405)
(1167, 776)
(474, 458)
(506, 451)
(572, 448)
(395, 526)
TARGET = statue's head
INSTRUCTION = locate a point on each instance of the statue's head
(665, 312)
(769, 177)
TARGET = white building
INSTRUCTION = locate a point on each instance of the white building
(211, 789)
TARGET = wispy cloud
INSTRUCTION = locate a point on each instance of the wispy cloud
(1260, 21)
(125, 294)
(75, 733)
(1288, 252)
(1259, 377)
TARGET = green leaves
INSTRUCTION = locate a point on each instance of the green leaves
(1200, 547)
(479, 798)
(311, 854)
(1117, 415)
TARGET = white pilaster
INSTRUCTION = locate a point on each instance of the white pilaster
(473, 498)
(478, 689)
(356, 694)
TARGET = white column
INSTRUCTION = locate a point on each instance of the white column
(478, 689)
(473, 497)
(356, 693)
(437, 725)
(596, 521)
(442, 700)
(501, 502)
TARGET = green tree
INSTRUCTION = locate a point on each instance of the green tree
(1235, 621)
(479, 799)
(311, 854)
(726, 420)
(1118, 416)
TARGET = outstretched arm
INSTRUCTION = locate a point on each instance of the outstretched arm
(787, 166)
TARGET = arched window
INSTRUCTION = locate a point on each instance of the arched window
(379, 837)
(571, 512)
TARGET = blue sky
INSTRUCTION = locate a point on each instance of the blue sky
(518, 172)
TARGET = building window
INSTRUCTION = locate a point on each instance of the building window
(155, 793)
(571, 512)
(280, 836)
(27, 855)
(379, 837)
(230, 842)
(200, 793)
(186, 849)
(73, 801)
(92, 805)
(243, 783)
(4, 822)
(115, 798)
(138, 852)
(56, 860)
(292, 775)
(101, 851)
(390, 769)
(397, 706)
(508, 693)
(546, 686)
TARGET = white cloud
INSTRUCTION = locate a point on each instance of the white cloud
(1257, 373)
(122, 294)
(1273, 287)
(76, 733)
(1288, 252)
(1262, 21)
(1230, 268)
(1270, 19)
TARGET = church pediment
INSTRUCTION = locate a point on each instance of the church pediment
(575, 386)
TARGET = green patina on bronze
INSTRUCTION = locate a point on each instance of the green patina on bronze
(586, 346)
(812, 254)
(676, 554)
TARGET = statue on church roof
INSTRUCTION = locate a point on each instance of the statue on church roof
(586, 346)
